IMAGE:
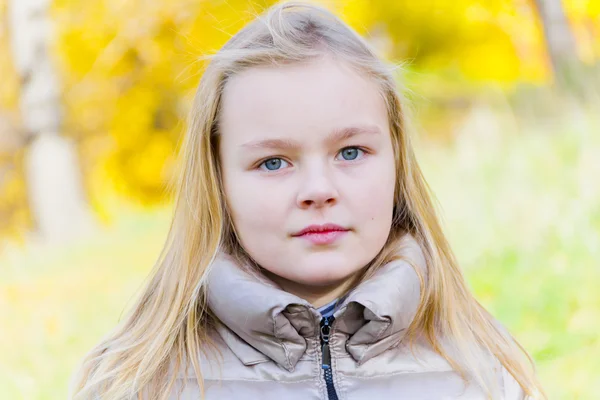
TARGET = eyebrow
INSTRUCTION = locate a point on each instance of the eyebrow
(337, 135)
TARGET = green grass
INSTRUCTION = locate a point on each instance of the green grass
(57, 302)
(522, 212)
(523, 216)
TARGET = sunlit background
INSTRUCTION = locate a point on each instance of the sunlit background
(505, 97)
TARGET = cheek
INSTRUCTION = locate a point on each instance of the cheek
(254, 206)
(373, 201)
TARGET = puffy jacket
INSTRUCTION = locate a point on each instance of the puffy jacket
(275, 345)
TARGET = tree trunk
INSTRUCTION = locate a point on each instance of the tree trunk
(55, 192)
(561, 46)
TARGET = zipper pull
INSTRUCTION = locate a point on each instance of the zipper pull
(326, 356)
(325, 352)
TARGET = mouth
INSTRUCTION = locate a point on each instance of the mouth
(322, 234)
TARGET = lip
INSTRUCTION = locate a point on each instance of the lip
(322, 234)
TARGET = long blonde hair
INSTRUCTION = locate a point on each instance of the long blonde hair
(170, 321)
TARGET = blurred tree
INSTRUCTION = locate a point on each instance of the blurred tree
(476, 39)
(14, 214)
(130, 67)
(55, 195)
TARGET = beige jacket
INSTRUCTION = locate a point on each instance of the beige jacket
(272, 347)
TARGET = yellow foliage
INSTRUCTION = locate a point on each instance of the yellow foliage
(9, 88)
(584, 17)
(129, 67)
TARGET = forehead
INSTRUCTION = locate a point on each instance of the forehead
(300, 101)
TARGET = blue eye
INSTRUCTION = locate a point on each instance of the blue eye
(350, 153)
(272, 164)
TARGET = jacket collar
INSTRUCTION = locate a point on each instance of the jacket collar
(275, 324)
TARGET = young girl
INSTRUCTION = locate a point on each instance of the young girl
(305, 259)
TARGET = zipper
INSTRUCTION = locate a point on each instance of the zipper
(326, 358)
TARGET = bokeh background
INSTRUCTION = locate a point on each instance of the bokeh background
(505, 98)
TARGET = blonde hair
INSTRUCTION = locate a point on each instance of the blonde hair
(170, 321)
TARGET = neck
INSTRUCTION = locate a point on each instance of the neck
(317, 295)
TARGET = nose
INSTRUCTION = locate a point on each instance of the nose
(317, 189)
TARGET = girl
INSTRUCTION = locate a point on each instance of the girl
(305, 259)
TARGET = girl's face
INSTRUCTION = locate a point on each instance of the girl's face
(301, 145)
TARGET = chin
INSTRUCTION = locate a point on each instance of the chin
(322, 274)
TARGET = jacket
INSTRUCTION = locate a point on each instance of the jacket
(275, 345)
